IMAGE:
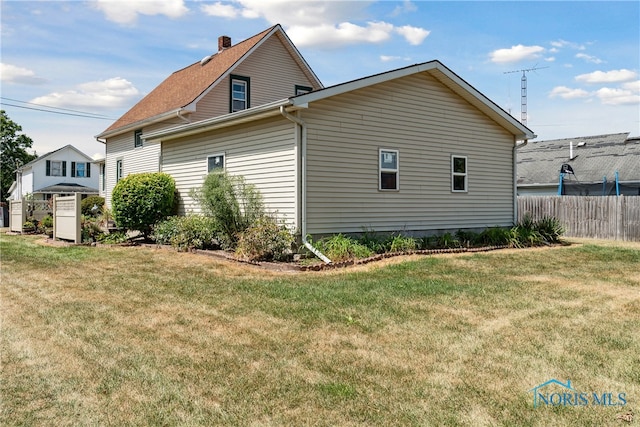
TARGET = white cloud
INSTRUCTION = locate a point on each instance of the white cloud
(568, 93)
(319, 23)
(613, 76)
(388, 58)
(563, 43)
(414, 35)
(516, 53)
(406, 7)
(331, 36)
(126, 12)
(632, 86)
(229, 11)
(221, 10)
(106, 94)
(550, 59)
(14, 74)
(614, 96)
(589, 58)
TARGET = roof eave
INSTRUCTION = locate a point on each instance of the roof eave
(139, 124)
(231, 119)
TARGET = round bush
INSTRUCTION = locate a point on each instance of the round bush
(141, 200)
(87, 204)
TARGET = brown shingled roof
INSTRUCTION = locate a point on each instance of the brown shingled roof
(183, 86)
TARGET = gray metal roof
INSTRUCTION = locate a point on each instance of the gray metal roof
(67, 187)
(594, 157)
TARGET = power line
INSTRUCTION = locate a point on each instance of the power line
(59, 112)
(49, 106)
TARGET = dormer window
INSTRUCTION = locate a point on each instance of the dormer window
(240, 89)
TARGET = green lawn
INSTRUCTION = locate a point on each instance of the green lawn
(141, 336)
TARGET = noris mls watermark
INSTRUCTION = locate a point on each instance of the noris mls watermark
(557, 393)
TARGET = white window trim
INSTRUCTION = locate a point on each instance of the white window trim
(224, 160)
(119, 169)
(245, 100)
(381, 169)
(465, 174)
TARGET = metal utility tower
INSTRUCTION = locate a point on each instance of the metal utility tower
(523, 91)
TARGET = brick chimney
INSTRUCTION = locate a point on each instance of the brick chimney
(224, 42)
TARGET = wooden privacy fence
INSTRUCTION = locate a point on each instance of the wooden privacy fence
(67, 218)
(600, 217)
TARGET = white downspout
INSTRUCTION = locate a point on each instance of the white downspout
(303, 172)
(179, 114)
(515, 179)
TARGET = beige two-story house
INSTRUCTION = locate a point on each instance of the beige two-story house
(416, 149)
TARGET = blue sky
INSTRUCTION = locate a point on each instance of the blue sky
(97, 58)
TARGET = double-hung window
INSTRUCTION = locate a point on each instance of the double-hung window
(137, 137)
(56, 168)
(389, 169)
(80, 170)
(215, 163)
(459, 174)
(119, 170)
(240, 90)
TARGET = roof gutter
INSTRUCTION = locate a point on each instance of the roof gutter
(251, 114)
(303, 152)
(141, 124)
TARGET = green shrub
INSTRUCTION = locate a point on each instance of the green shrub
(550, 229)
(47, 222)
(113, 238)
(186, 232)
(466, 237)
(375, 242)
(232, 203)
(265, 240)
(493, 236)
(141, 200)
(90, 230)
(341, 248)
(447, 240)
(30, 226)
(401, 243)
(87, 204)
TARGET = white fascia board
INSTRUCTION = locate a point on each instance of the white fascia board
(139, 124)
(244, 116)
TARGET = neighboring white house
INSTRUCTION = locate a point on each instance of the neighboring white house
(64, 171)
(415, 149)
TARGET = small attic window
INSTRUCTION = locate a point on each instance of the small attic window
(301, 90)
(240, 91)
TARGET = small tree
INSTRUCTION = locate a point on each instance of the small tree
(13, 152)
(232, 203)
(141, 200)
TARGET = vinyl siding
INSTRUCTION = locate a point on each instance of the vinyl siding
(134, 160)
(428, 124)
(273, 74)
(264, 152)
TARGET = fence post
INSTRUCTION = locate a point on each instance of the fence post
(78, 199)
(55, 216)
(619, 217)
